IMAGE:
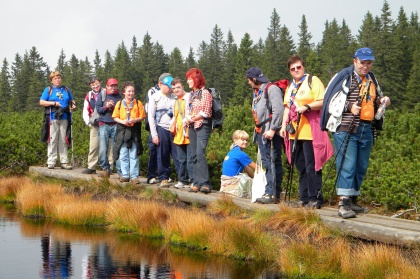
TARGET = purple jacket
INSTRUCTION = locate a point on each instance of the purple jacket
(323, 149)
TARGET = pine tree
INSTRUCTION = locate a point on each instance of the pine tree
(287, 48)
(122, 69)
(203, 61)
(98, 69)
(244, 60)
(61, 61)
(230, 53)
(5, 88)
(146, 65)
(272, 53)
(108, 66)
(305, 37)
(216, 68)
(190, 60)
(176, 64)
(413, 85)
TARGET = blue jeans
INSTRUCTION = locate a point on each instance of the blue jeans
(266, 159)
(199, 138)
(353, 170)
(106, 132)
(129, 161)
(310, 181)
(185, 172)
(152, 164)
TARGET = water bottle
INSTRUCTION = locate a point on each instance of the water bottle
(381, 109)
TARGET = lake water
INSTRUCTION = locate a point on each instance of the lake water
(32, 248)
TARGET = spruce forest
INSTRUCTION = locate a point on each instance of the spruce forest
(392, 182)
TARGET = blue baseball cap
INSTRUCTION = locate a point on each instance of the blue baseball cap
(167, 81)
(364, 53)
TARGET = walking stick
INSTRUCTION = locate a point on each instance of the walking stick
(292, 162)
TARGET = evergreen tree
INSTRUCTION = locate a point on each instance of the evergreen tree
(5, 88)
(259, 49)
(122, 68)
(368, 32)
(61, 61)
(98, 70)
(176, 64)
(216, 67)
(272, 54)
(160, 62)
(203, 61)
(146, 65)
(190, 60)
(244, 60)
(287, 48)
(37, 78)
(413, 85)
(108, 66)
(230, 53)
(135, 65)
(305, 37)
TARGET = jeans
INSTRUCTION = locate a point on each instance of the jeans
(266, 159)
(185, 172)
(310, 181)
(129, 161)
(199, 138)
(105, 134)
(152, 163)
(352, 171)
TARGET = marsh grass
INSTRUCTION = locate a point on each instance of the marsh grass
(295, 240)
(145, 218)
(9, 187)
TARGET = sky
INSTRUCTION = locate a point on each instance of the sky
(81, 27)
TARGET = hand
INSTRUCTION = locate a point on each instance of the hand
(355, 109)
(155, 140)
(301, 109)
(269, 134)
(283, 131)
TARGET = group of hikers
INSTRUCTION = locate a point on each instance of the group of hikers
(296, 119)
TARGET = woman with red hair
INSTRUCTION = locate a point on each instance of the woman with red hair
(198, 118)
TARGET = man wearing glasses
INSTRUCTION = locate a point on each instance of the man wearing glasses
(351, 101)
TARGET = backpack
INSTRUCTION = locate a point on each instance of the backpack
(216, 108)
(93, 120)
(153, 91)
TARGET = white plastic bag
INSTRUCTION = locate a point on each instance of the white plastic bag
(260, 181)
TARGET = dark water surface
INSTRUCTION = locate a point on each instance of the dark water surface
(32, 248)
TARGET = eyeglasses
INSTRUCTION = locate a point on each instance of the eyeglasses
(297, 68)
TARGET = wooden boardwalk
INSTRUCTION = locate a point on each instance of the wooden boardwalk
(366, 226)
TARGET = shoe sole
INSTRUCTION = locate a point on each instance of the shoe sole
(346, 217)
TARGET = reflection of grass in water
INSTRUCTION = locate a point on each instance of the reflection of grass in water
(295, 240)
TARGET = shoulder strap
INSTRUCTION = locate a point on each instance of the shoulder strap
(103, 94)
(179, 108)
(49, 90)
(310, 81)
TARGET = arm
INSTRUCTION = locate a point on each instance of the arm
(277, 109)
(283, 125)
(250, 169)
(205, 105)
(151, 118)
(85, 111)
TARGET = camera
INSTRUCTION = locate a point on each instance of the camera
(290, 129)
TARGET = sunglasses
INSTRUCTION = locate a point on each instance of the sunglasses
(297, 68)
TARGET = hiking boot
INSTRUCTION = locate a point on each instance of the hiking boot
(124, 179)
(164, 184)
(344, 210)
(135, 181)
(51, 167)
(266, 198)
(66, 167)
(89, 171)
(356, 207)
(313, 205)
(152, 181)
(104, 173)
(205, 189)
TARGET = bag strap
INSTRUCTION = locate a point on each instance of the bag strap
(180, 110)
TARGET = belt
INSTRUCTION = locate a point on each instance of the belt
(366, 121)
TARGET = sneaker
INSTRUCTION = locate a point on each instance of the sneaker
(164, 183)
(356, 207)
(205, 189)
(152, 181)
(124, 179)
(169, 180)
(89, 171)
(104, 173)
(181, 185)
(135, 181)
(66, 166)
(51, 167)
(266, 198)
(344, 210)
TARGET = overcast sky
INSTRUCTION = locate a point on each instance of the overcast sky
(82, 27)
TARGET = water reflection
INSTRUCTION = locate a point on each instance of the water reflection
(78, 252)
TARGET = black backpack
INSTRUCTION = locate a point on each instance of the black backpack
(216, 108)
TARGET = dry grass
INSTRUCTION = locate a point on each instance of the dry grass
(32, 199)
(226, 207)
(78, 210)
(9, 187)
(146, 218)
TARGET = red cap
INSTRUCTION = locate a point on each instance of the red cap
(111, 81)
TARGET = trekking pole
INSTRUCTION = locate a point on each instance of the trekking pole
(292, 162)
(273, 170)
(72, 145)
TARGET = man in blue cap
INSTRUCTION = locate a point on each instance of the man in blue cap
(160, 114)
(351, 101)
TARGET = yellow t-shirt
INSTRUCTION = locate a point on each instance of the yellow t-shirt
(181, 136)
(304, 96)
(136, 110)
